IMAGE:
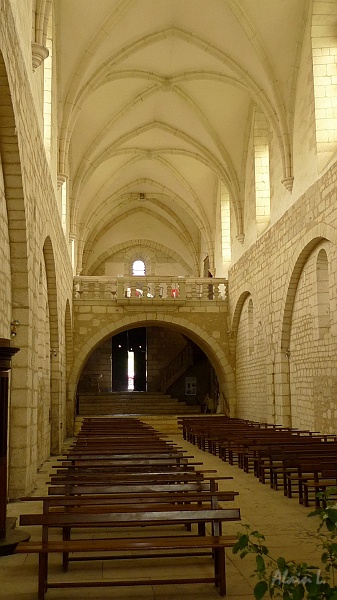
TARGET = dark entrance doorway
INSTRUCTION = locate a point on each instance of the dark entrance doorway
(129, 360)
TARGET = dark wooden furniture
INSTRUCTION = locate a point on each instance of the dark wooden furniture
(112, 545)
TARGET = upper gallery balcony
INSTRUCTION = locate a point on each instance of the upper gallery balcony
(149, 291)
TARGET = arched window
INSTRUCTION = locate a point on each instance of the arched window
(262, 180)
(138, 268)
(323, 300)
(324, 57)
(225, 216)
(47, 92)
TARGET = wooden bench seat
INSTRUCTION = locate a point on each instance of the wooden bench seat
(155, 487)
(111, 520)
(322, 480)
(216, 544)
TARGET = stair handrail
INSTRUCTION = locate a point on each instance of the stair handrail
(176, 367)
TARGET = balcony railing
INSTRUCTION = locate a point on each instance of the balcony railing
(146, 289)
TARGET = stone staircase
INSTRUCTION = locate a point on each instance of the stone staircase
(164, 424)
(133, 403)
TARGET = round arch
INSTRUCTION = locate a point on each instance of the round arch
(243, 295)
(307, 244)
(210, 346)
(147, 248)
(248, 293)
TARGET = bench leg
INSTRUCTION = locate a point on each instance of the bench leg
(65, 555)
(220, 570)
(42, 582)
(201, 529)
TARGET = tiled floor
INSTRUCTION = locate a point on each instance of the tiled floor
(285, 523)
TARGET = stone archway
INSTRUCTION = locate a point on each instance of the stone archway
(304, 249)
(215, 351)
(251, 348)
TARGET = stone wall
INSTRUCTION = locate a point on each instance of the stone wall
(279, 274)
(33, 240)
(96, 374)
(251, 357)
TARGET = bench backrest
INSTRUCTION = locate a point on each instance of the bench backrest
(80, 489)
(70, 519)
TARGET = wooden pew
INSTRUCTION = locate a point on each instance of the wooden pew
(215, 543)
(147, 487)
(323, 478)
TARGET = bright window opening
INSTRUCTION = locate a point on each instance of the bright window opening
(138, 268)
(324, 57)
(64, 206)
(262, 180)
(225, 224)
(72, 253)
(47, 91)
(131, 370)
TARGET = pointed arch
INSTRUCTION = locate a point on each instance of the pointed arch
(147, 248)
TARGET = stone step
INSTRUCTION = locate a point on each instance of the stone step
(98, 411)
(166, 424)
(133, 403)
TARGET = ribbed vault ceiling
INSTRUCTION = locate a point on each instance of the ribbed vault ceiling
(156, 98)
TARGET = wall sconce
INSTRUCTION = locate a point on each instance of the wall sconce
(53, 352)
(287, 353)
(14, 325)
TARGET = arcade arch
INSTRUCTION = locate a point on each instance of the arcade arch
(214, 351)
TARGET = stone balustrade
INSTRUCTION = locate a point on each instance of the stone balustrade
(150, 289)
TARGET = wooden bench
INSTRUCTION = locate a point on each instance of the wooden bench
(50, 503)
(147, 487)
(325, 477)
(215, 543)
(80, 459)
(129, 477)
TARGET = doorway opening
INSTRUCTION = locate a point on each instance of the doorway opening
(129, 360)
(151, 360)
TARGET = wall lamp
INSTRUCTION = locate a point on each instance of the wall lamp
(14, 325)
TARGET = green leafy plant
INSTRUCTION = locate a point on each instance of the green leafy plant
(278, 577)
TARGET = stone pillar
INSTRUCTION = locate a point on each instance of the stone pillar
(6, 353)
(8, 538)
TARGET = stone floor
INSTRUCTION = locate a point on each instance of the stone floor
(288, 531)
